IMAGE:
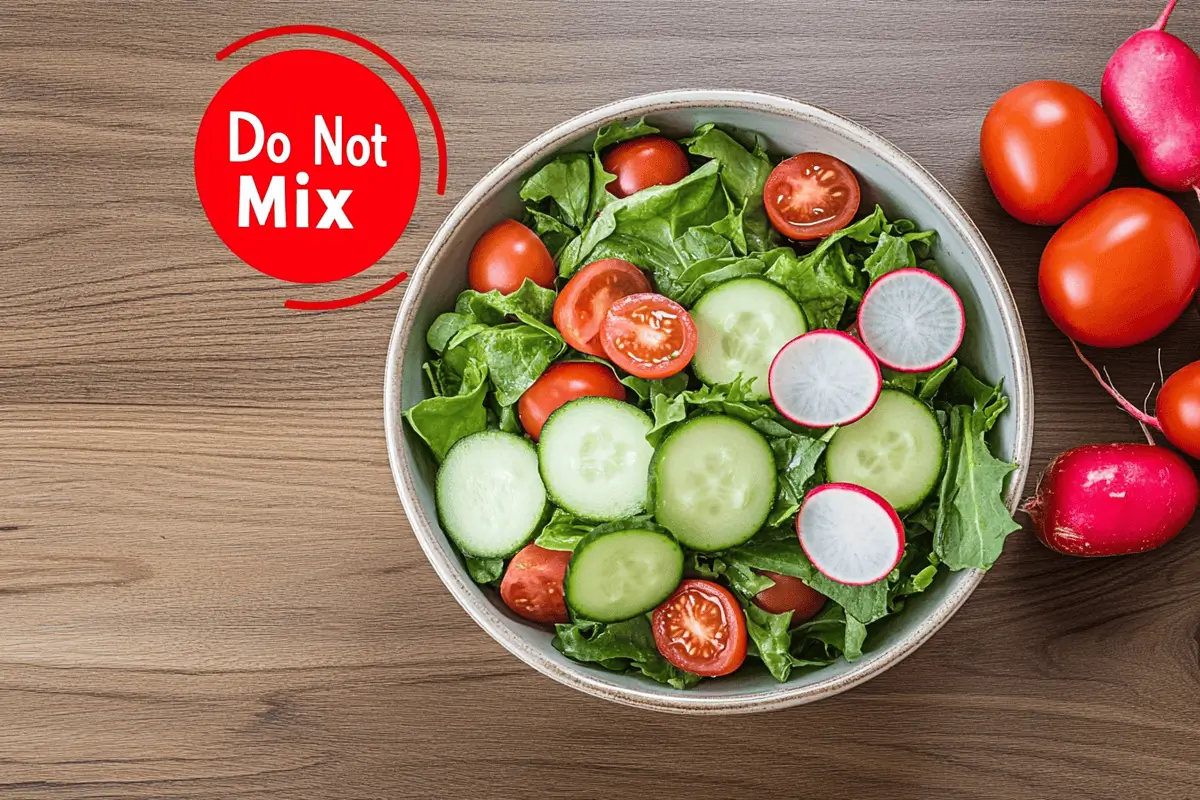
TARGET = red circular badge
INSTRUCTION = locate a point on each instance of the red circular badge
(307, 166)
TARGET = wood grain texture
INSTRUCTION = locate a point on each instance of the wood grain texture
(207, 586)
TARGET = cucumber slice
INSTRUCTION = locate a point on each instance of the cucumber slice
(621, 570)
(896, 450)
(714, 482)
(490, 497)
(740, 326)
(594, 458)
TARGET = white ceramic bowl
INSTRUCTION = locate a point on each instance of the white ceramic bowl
(994, 346)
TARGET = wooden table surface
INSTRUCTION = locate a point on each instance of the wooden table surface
(208, 588)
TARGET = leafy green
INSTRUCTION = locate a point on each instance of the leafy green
(797, 456)
(744, 174)
(772, 639)
(516, 354)
(687, 287)
(830, 633)
(442, 421)
(621, 647)
(891, 253)
(780, 552)
(485, 570)
(972, 520)
(531, 304)
(563, 531)
(653, 228)
(566, 181)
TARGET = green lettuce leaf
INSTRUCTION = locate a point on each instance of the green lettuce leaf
(687, 287)
(648, 228)
(442, 421)
(567, 182)
(563, 531)
(516, 354)
(831, 633)
(487, 571)
(822, 282)
(621, 647)
(923, 385)
(744, 174)
(780, 552)
(972, 520)
(531, 304)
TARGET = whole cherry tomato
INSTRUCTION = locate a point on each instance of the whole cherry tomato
(533, 584)
(581, 305)
(1047, 149)
(643, 162)
(1178, 409)
(1121, 270)
(505, 256)
(562, 383)
(790, 594)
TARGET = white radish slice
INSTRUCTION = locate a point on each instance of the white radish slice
(911, 320)
(849, 533)
(824, 378)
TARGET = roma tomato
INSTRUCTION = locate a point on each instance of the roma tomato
(790, 594)
(648, 335)
(1121, 270)
(562, 383)
(1047, 149)
(701, 629)
(580, 307)
(1178, 409)
(505, 256)
(810, 196)
(533, 584)
(643, 162)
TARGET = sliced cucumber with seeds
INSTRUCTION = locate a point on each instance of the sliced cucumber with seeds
(740, 326)
(490, 497)
(594, 458)
(896, 450)
(714, 482)
(621, 570)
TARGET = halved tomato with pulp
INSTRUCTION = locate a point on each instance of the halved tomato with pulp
(810, 196)
(701, 629)
(648, 335)
(581, 305)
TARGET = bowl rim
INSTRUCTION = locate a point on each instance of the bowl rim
(549, 142)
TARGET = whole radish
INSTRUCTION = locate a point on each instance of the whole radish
(1151, 92)
(1113, 499)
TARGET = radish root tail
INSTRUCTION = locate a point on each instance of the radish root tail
(1166, 15)
(1130, 409)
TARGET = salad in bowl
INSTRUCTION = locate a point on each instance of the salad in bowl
(702, 407)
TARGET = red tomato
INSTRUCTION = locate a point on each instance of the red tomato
(1047, 149)
(642, 162)
(790, 594)
(505, 256)
(533, 584)
(648, 335)
(810, 196)
(581, 305)
(562, 383)
(701, 629)
(1121, 270)
(1178, 409)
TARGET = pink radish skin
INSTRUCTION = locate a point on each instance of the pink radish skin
(883, 282)
(781, 378)
(810, 519)
(1113, 500)
(1151, 92)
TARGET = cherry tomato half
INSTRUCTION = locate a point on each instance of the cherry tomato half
(790, 594)
(648, 335)
(1121, 270)
(642, 162)
(562, 383)
(533, 584)
(581, 305)
(1047, 149)
(1178, 409)
(810, 196)
(505, 256)
(701, 629)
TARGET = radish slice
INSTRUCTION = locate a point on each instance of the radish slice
(911, 320)
(824, 378)
(852, 535)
